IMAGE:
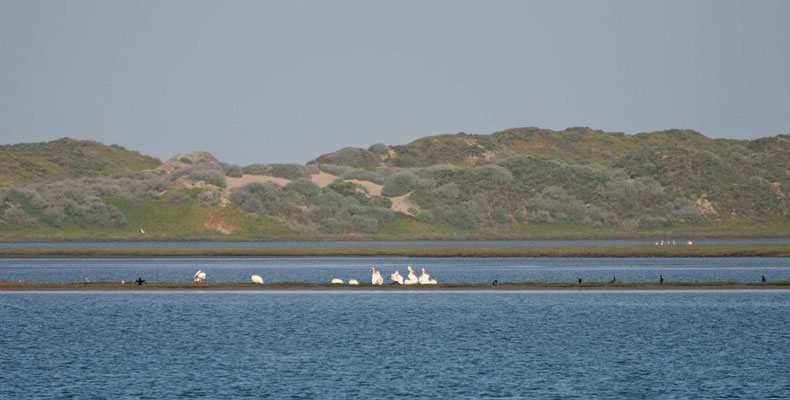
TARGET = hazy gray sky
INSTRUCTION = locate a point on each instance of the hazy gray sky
(264, 81)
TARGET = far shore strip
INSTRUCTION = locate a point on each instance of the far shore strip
(244, 286)
(616, 251)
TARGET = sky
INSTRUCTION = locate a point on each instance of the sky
(286, 81)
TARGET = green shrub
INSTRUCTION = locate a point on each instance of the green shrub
(541, 217)
(379, 148)
(361, 223)
(352, 157)
(500, 215)
(399, 184)
(460, 217)
(425, 216)
(649, 223)
(304, 186)
(231, 170)
(332, 225)
(342, 187)
(287, 171)
(209, 197)
(363, 175)
(18, 216)
(53, 216)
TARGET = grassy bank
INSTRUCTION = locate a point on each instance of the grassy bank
(130, 286)
(623, 251)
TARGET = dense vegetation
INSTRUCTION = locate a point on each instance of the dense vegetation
(65, 159)
(740, 179)
(517, 183)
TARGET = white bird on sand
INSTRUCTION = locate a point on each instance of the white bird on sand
(353, 282)
(337, 280)
(257, 279)
(200, 276)
(397, 278)
(425, 279)
(376, 279)
(413, 280)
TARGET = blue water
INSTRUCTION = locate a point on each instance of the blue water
(466, 270)
(571, 345)
(613, 242)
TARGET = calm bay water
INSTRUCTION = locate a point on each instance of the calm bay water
(612, 242)
(713, 344)
(465, 270)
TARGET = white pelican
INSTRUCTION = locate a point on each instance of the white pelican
(425, 279)
(656, 243)
(376, 279)
(413, 280)
(353, 282)
(397, 278)
(690, 243)
(257, 279)
(662, 243)
(200, 276)
(337, 280)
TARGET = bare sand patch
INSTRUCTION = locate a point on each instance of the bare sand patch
(402, 204)
(705, 206)
(247, 179)
(323, 179)
(374, 189)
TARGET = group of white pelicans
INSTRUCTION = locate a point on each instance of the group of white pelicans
(376, 278)
(671, 242)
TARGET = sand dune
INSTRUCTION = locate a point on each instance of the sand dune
(247, 179)
(402, 204)
(374, 189)
(323, 179)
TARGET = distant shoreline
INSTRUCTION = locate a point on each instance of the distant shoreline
(458, 237)
(297, 286)
(610, 251)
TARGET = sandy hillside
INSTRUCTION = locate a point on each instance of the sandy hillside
(247, 179)
(374, 189)
(322, 179)
(402, 204)
(175, 162)
(399, 204)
